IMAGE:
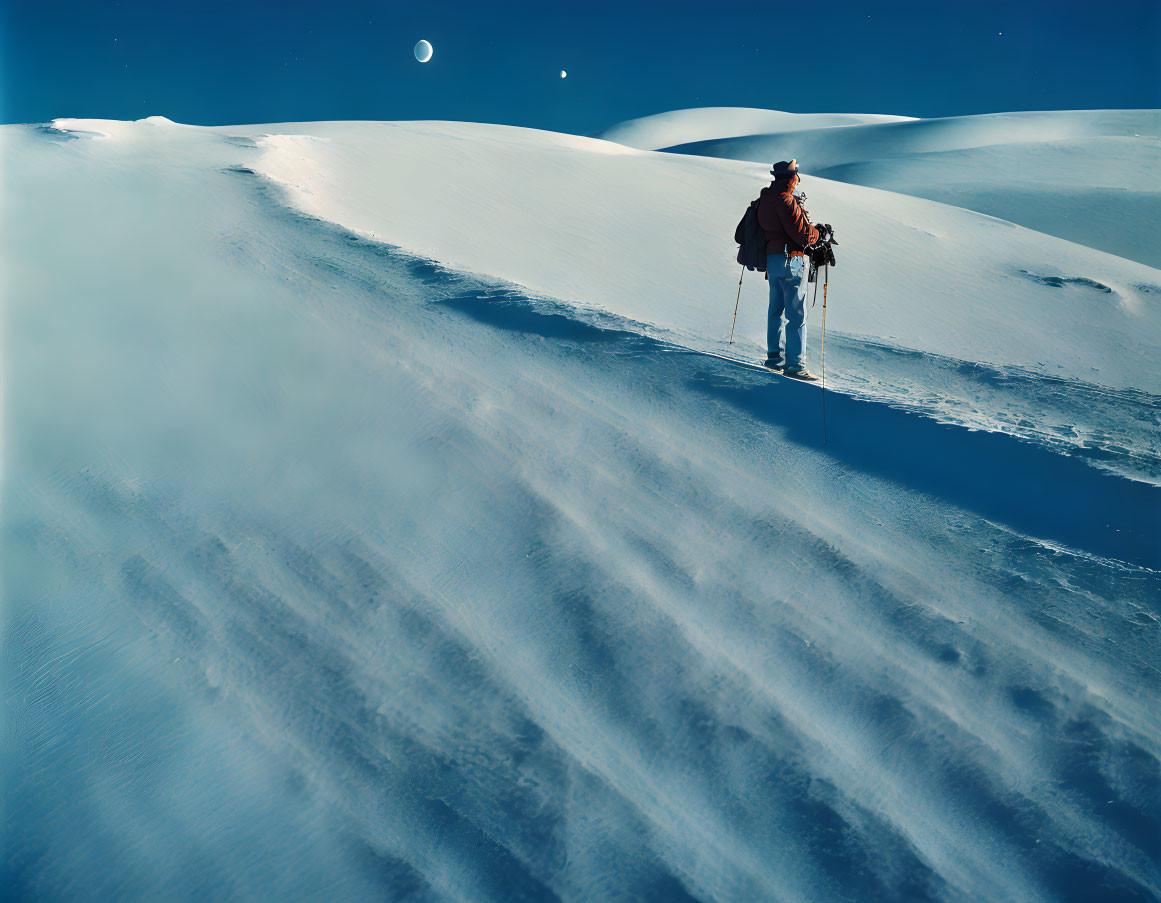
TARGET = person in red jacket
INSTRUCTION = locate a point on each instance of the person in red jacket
(788, 234)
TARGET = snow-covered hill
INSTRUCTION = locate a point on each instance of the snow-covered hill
(373, 526)
(1090, 176)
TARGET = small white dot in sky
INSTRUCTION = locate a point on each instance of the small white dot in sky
(563, 74)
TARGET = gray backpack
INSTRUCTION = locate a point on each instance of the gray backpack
(751, 239)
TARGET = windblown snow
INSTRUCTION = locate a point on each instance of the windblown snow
(379, 522)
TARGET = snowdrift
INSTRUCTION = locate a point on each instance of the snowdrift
(334, 569)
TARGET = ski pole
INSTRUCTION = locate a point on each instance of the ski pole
(737, 301)
(825, 280)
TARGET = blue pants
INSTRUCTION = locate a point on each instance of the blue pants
(787, 296)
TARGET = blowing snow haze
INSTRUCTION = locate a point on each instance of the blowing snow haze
(388, 515)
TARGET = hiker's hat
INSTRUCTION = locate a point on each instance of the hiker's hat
(785, 169)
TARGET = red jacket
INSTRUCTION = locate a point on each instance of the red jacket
(783, 221)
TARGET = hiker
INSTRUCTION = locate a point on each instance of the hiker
(788, 233)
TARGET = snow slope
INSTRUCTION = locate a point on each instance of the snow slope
(551, 212)
(649, 237)
(331, 571)
(1088, 176)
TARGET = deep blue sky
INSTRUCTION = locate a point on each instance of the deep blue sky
(215, 62)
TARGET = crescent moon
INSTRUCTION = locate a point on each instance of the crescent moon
(423, 51)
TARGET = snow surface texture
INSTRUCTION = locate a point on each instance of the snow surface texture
(331, 571)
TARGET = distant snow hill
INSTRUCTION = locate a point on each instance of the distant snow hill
(665, 130)
(1089, 176)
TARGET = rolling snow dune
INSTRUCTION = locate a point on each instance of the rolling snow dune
(335, 572)
(1091, 176)
(663, 130)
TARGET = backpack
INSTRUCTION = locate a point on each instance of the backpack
(751, 238)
